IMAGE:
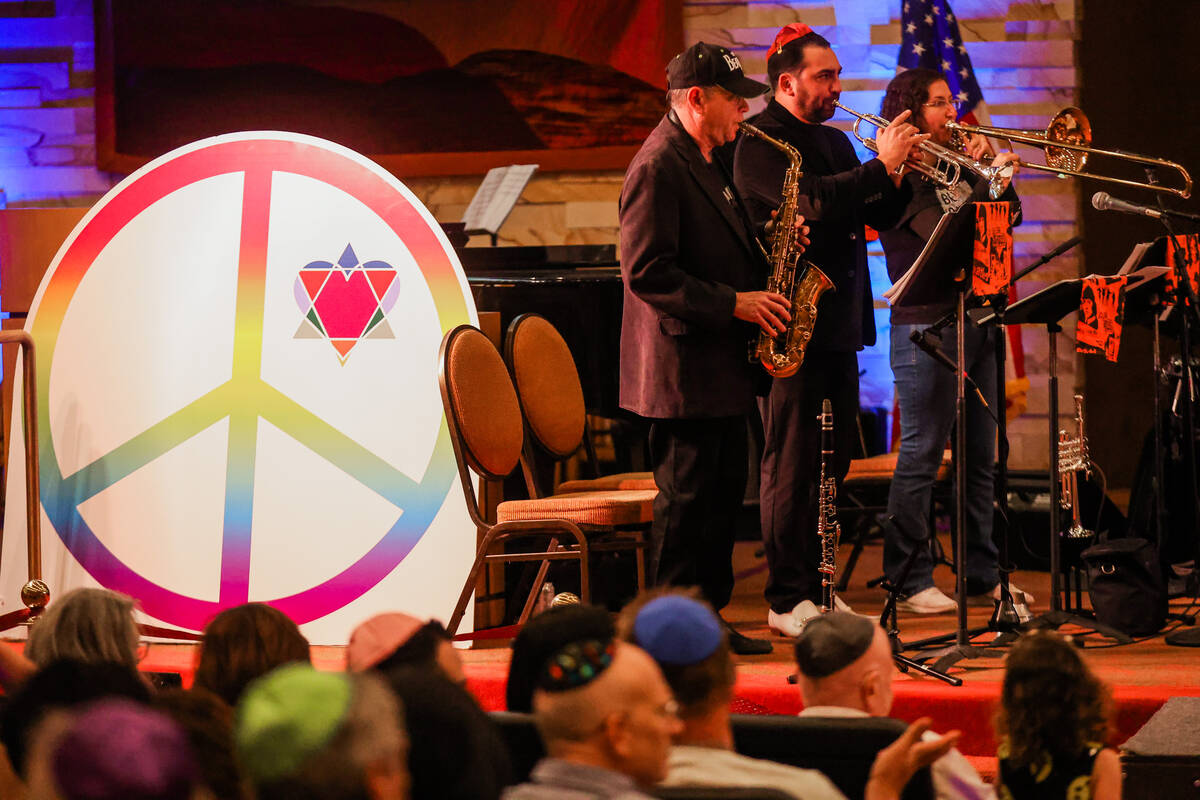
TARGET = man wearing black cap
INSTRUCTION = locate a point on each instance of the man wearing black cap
(846, 670)
(693, 274)
(838, 195)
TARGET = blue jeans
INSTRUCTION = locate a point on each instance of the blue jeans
(925, 393)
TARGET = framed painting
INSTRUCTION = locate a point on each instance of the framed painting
(424, 87)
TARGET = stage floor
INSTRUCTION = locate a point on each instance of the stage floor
(1142, 675)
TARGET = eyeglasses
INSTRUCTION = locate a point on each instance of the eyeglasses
(938, 104)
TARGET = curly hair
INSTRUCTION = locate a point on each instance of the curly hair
(908, 91)
(1051, 703)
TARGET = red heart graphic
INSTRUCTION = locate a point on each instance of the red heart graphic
(346, 304)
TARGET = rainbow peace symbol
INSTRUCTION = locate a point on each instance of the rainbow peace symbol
(266, 169)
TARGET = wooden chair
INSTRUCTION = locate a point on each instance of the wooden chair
(863, 496)
(487, 432)
(551, 398)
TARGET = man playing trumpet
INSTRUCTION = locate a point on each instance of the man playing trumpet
(838, 196)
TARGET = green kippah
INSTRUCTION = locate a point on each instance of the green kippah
(286, 716)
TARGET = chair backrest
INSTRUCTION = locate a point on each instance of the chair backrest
(842, 748)
(524, 743)
(547, 383)
(481, 405)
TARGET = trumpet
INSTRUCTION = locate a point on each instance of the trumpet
(947, 169)
(1067, 141)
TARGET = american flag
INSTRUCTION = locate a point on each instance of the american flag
(930, 39)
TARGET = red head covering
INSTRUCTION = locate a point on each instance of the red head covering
(789, 33)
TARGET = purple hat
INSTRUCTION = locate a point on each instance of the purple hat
(115, 748)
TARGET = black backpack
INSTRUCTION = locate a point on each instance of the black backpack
(1127, 585)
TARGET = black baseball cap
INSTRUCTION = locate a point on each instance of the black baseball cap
(712, 65)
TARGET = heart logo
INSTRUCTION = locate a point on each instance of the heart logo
(346, 302)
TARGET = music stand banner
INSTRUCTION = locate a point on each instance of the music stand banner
(993, 248)
(1189, 244)
(1101, 315)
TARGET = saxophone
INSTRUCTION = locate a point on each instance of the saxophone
(829, 529)
(782, 355)
(1073, 457)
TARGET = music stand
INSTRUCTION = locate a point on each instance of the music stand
(946, 258)
(1048, 307)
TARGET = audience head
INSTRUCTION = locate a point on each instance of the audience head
(455, 750)
(63, 684)
(541, 637)
(300, 733)
(606, 704)
(845, 660)
(689, 644)
(208, 724)
(112, 749)
(243, 643)
(1051, 703)
(92, 625)
(394, 639)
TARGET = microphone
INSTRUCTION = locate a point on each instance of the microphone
(1103, 201)
(935, 352)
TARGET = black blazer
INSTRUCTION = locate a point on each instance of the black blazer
(686, 248)
(838, 196)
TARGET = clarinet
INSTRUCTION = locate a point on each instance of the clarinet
(829, 529)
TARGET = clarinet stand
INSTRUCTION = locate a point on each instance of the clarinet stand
(888, 618)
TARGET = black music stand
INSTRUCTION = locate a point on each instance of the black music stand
(946, 259)
(1048, 307)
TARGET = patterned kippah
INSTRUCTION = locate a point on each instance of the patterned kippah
(831, 642)
(576, 664)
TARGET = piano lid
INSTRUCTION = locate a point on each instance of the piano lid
(537, 257)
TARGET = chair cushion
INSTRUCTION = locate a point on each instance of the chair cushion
(608, 483)
(484, 403)
(547, 382)
(633, 507)
(881, 467)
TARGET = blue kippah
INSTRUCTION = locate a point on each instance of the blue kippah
(677, 630)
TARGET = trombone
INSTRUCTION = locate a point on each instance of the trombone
(1067, 141)
(946, 171)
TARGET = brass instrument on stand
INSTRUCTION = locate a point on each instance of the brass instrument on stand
(1073, 458)
(782, 355)
(829, 529)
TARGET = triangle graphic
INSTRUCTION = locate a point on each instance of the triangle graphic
(312, 317)
(376, 318)
(307, 331)
(380, 280)
(343, 346)
(348, 259)
(313, 280)
(381, 331)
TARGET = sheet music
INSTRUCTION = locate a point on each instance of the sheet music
(1135, 257)
(496, 196)
(896, 291)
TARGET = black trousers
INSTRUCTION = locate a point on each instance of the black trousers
(700, 469)
(791, 468)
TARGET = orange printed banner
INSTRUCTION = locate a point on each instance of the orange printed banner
(1101, 315)
(1189, 244)
(993, 248)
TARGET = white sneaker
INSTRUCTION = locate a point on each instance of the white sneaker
(792, 623)
(841, 605)
(993, 597)
(928, 601)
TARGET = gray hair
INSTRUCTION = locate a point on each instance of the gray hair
(90, 625)
(371, 734)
